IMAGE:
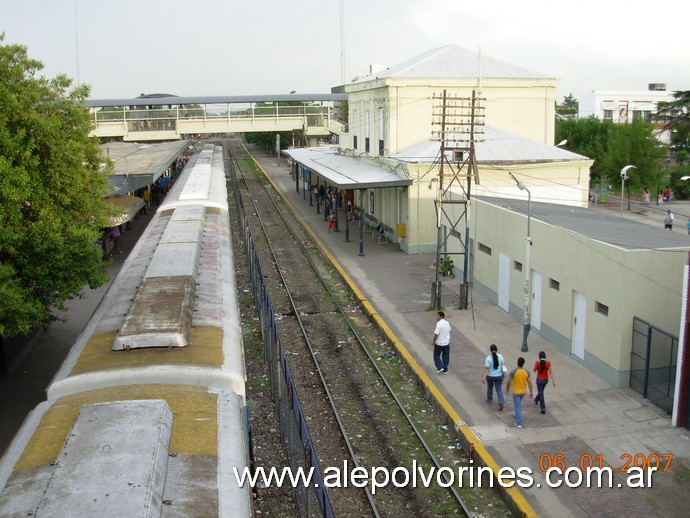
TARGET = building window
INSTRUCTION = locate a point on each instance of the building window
(484, 248)
(371, 202)
(355, 129)
(381, 130)
(554, 284)
(608, 115)
(517, 266)
(367, 131)
(601, 308)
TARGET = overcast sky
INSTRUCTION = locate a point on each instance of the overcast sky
(123, 48)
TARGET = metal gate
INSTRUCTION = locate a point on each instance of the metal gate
(653, 363)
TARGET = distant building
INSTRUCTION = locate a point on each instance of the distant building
(624, 106)
(589, 274)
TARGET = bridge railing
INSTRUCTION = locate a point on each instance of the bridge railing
(155, 119)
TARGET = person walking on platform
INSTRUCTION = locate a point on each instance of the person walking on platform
(668, 220)
(520, 380)
(117, 239)
(544, 372)
(441, 343)
(493, 375)
(327, 207)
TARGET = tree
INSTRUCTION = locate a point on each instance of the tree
(588, 137)
(52, 189)
(569, 107)
(613, 146)
(675, 117)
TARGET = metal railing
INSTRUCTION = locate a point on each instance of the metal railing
(157, 119)
(312, 500)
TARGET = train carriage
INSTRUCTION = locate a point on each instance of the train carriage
(147, 415)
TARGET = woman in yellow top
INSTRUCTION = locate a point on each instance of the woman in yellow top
(520, 380)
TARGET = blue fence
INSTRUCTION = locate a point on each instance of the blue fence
(312, 500)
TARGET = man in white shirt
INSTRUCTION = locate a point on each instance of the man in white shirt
(441, 343)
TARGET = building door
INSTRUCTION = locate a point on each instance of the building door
(503, 282)
(535, 318)
(579, 309)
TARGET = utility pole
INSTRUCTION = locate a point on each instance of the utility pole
(460, 120)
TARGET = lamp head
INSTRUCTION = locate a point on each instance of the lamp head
(520, 185)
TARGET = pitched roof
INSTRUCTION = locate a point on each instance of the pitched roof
(456, 62)
(494, 146)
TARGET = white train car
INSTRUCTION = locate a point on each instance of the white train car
(147, 415)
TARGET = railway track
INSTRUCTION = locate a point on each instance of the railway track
(364, 408)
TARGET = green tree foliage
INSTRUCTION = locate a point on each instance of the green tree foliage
(267, 139)
(675, 117)
(613, 146)
(569, 106)
(51, 194)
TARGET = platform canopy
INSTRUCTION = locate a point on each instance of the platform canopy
(346, 172)
(137, 165)
(128, 207)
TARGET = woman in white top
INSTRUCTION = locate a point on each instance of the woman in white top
(493, 375)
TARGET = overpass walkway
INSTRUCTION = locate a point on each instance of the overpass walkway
(175, 118)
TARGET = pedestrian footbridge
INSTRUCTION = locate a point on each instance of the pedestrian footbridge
(167, 117)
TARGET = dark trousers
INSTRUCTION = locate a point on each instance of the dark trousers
(441, 356)
(540, 393)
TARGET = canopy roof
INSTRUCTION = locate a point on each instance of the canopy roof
(137, 165)
(346, 172)
(128, 205)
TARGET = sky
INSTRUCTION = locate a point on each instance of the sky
(123, 48)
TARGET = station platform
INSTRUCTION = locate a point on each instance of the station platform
(586, 418)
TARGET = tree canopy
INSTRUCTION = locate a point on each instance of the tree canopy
(613, 146)
(569, 106)
(675, 117)
(52, 188)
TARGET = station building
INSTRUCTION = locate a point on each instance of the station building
(589, 284)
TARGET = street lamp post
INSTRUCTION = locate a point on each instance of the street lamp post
(624, 177)
(526, 289)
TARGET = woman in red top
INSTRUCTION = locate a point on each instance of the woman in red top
(543, 370)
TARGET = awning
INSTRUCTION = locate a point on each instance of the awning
(128, 205)
(138, 165)
(120, 184)
(346, 172)
(125, 183)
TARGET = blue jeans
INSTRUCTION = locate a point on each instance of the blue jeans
(441, 357)
(540, 393)
(517, 403)
(491, 382)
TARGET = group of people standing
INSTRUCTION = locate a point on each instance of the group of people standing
(519, 379)
(495, 372)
